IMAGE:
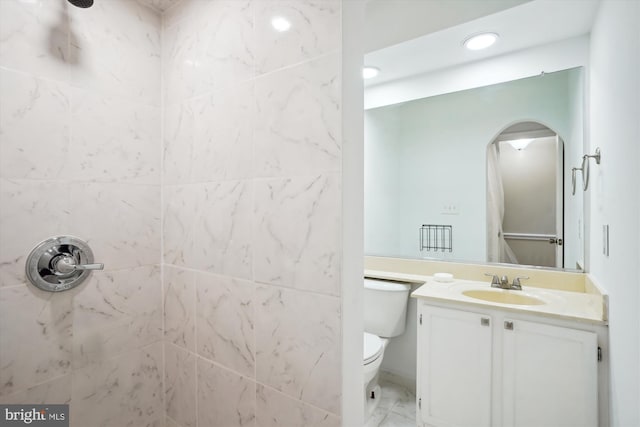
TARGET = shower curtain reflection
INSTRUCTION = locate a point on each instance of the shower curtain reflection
(498, 249)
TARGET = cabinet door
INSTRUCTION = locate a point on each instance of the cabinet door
(454, 368)
(549, 376)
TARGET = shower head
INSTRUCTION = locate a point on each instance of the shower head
(82, 3)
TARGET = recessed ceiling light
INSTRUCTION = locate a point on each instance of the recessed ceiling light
(480, 41)
(280, 24)
(520, 144)
(370, 72)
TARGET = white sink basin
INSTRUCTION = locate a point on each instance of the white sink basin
(502, 296)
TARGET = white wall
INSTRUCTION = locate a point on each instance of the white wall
(614, 193)
(353, 399)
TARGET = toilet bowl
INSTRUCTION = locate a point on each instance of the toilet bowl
(374, 347)
(385, 313)
(373, 353)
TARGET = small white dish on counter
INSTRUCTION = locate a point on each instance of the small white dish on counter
(443, 277)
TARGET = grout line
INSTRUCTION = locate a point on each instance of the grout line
(194, 296)
(258, 383)
(123, 182)
(161, 177)
(256, 282)
(174, 421)
(317, 57)
(254, 293)
(57, 377)
(71, 85)
(314, 174)
(254, 79)
(297, 400)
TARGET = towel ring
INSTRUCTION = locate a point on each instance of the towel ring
(573, 178)
(585, 167)
(585, 172)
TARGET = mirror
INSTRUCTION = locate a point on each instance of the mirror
(430, 132)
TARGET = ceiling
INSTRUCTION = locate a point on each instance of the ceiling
(389, 22)
(526, 25)
(159, 5)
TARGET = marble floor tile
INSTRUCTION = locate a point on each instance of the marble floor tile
(377, 417)
(395, 420)
(397, 407)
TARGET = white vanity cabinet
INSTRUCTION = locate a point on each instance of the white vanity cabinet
(454, 367)
(495, 368)
(549, 375)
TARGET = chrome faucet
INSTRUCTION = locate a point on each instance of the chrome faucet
(516, 283)
(497, 282)
(503, 282)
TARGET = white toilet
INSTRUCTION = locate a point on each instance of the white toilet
(385, 316)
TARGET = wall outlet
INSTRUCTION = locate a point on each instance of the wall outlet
(450, 209)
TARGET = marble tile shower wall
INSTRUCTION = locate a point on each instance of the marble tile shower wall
(251, 207)
(80, 154)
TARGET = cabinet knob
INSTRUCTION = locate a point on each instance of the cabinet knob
(484, 321)
(508, 325)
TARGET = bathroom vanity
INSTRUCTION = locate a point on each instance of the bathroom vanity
(493, 357)
(502, 358)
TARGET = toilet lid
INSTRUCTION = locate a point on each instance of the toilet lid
(372, 347)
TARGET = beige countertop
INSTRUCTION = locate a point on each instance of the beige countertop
(569, 305)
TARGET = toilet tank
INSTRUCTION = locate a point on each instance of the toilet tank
(385, 307)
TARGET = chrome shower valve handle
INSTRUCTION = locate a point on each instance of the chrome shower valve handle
(60, 263)
(67, 264)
